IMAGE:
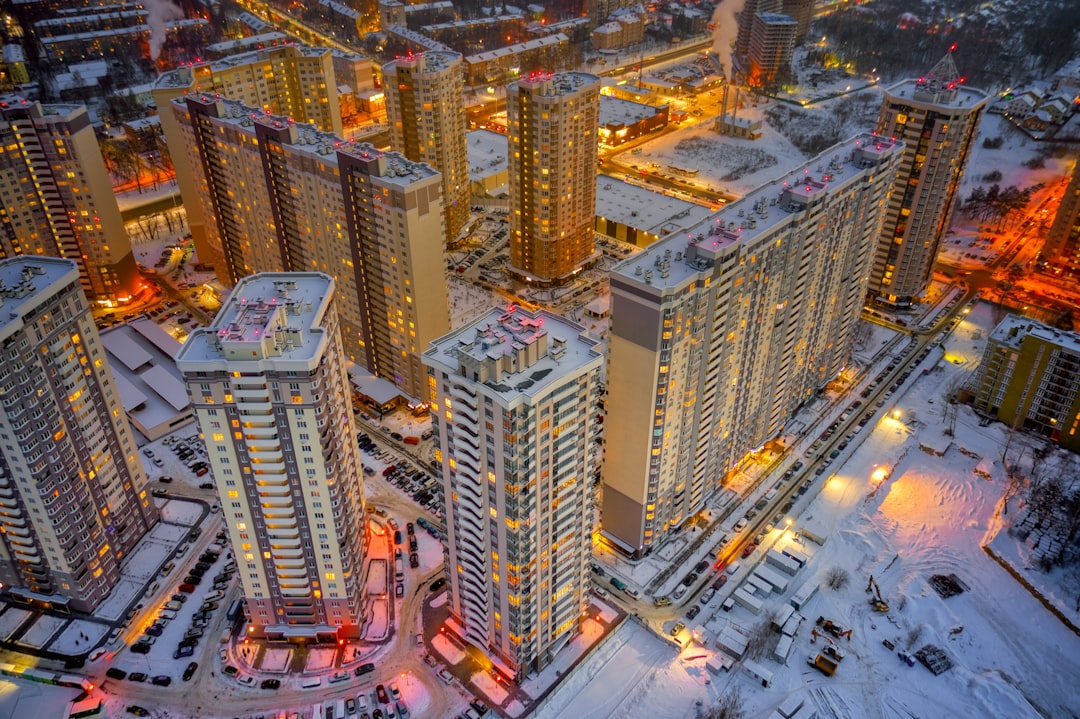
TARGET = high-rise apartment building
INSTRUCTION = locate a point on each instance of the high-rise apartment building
(1062, 248)
(73, 498)
(720, 333)
(515, 398)
(553, 121)
(280, 196)
(1028, 379)
(293, 81)
(56, 198)
(937, 118)
(775, 40)
(772, 43)
(269, 388)
(426, 108)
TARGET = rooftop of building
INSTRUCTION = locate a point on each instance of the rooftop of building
(177, 78)
(429, 61)
(262, 39)
(556, 84)
(308, 139)
(616, 111)
(943, 86)
(487, 153)
(532, 350)
(1012, 330)
(151, 388)
(677, 257)
(269, 315)
(22, 283)
(646, 209)
(520, 47)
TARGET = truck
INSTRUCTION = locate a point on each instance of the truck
(822, 663)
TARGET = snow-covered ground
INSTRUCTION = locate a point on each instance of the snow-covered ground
(932, 515)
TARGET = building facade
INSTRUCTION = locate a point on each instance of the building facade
(515, 399)
(56, 199)
(269, 387)
(721, 332)
(772, 43)
(937, 119)
(426, 109)
(279, 196)
(553, 120)
(1029, 378)
(73, 497)
(1062, 248)
(290, 80)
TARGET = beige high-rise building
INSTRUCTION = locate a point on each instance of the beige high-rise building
(425, 103)
(937, 118)
(270, 391)
(281, 196)
(720, 333)
(291, 80)
(553, 121)
(73, 497)
(1062, 248)
(56, 198)
(515, 397)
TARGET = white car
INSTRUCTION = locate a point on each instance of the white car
(632, 593)
(247, 681)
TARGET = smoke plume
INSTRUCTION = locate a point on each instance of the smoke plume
(725, 30)
(161, 12)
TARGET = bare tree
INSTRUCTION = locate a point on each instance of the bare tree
(759, 640)
(728, 707)
(837, 578)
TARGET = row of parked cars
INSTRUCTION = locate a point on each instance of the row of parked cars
(422, 486)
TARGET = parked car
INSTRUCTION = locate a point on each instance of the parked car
(137, 677)
(183, 652)
(138, 710)
(380, 693)
(189, 671)
(365, 669)
(161, 680)
(270, 683)
(115, 673)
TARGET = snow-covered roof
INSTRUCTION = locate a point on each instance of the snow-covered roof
(616, 111)
(151, 389)
(487, 153)
(645, 209)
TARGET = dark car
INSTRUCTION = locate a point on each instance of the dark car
(409, 528)
(197, 571)
(380, 693)
(189, 672)
(414, 560)
(437, 584)
(201, 565)
(115, 673)
(161, 680)
(206, 485)
(137, 677)
(183, 652)
(693, 611)
(179, 597)
(270, 683)
(478, 707)
(365, 669)
(720, 581)
(165, 480)
(155, 630)
(397, 536)
(193, 579)
(191, 642)
(138, 710)
(186, 588)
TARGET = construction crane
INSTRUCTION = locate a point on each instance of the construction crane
(879, 604)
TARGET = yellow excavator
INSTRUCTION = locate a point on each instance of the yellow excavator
(879, 604)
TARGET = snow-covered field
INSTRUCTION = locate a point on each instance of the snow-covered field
(1011, 656)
